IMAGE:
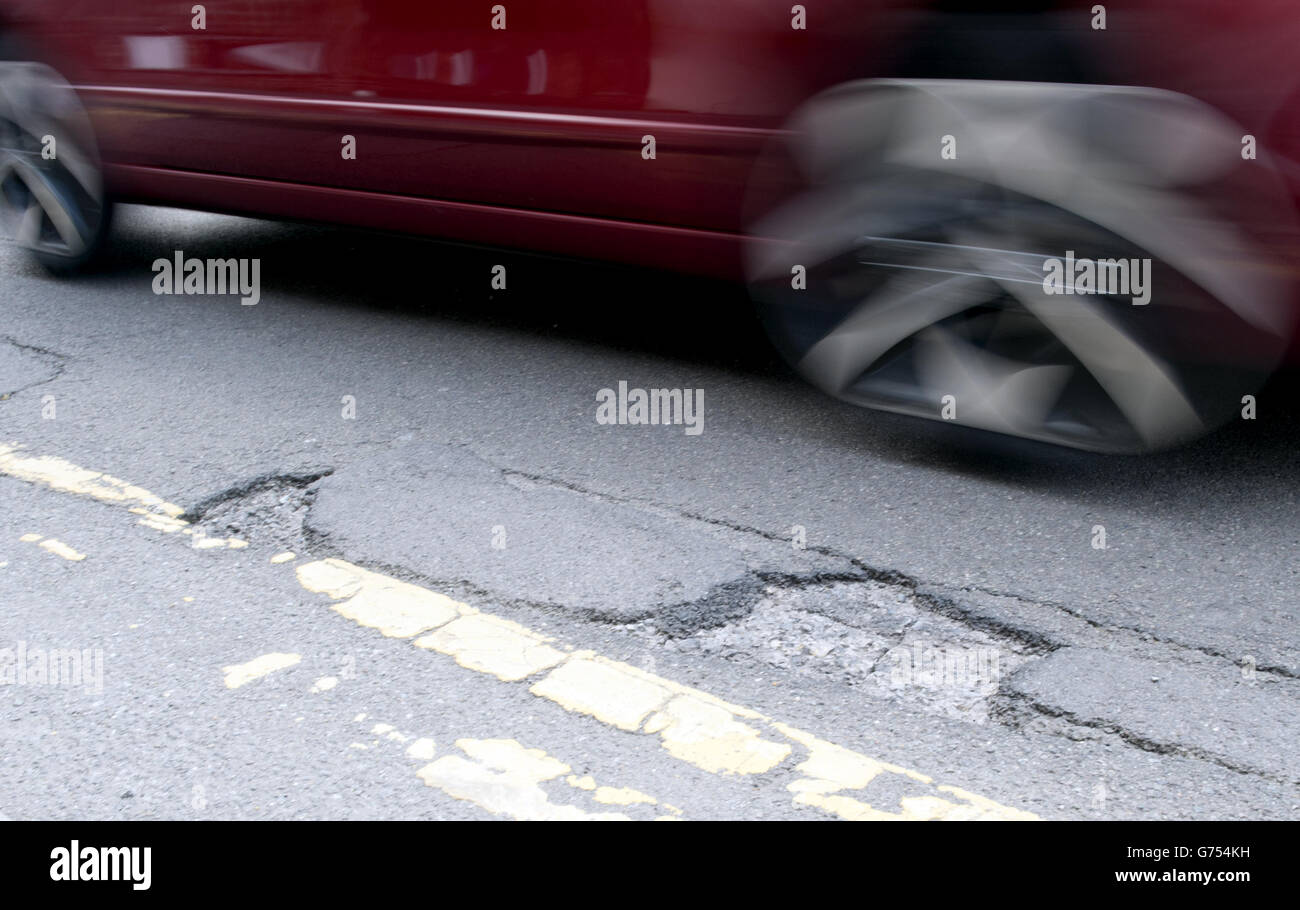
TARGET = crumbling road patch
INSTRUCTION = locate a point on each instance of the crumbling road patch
(871, 635)
(452, 518)
(269, 510)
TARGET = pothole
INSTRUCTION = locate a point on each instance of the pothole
(866, 634)
(268, 512)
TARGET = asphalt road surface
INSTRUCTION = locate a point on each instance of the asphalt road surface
(363, 550)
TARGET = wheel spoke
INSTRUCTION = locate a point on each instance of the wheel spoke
(63, 191)
(909, 302)
(930, 267)
(1140, 384)
(51, 200)
(990, 392)
(30, 223)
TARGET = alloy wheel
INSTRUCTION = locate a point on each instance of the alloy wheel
(925, 290)
(51, 190)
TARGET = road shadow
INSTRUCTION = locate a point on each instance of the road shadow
(710, 323)
(619, 307)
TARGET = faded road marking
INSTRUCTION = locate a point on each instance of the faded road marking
(390, 732)
(57, 547)
(610, 796)
(240, 674)
(397, 609)
(423, 748)
(66, 477)
(506, 778)
(587, 685)
(692, 725)
(711, 738)
(490, 645)
(621, 796)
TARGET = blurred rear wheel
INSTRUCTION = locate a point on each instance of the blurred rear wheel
(925, 273)
(51, 185)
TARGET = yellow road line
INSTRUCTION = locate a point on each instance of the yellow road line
(57, 547)
(690, 725)
(504, 777)
(242, 674)
(66, 477)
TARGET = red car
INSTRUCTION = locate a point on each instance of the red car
(1071, 222)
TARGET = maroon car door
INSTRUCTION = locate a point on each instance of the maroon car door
(584, 107)
(225, 87)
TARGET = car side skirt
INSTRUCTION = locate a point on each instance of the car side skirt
(710, 253)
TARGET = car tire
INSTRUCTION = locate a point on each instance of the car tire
(911, 280)
(52, 199)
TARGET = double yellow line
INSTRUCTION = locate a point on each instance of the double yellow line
(692, 726)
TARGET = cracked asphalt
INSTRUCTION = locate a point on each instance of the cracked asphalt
(809, 563)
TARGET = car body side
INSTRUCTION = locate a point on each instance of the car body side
(533, 134)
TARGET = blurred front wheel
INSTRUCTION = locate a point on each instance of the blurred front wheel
(918, 271)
